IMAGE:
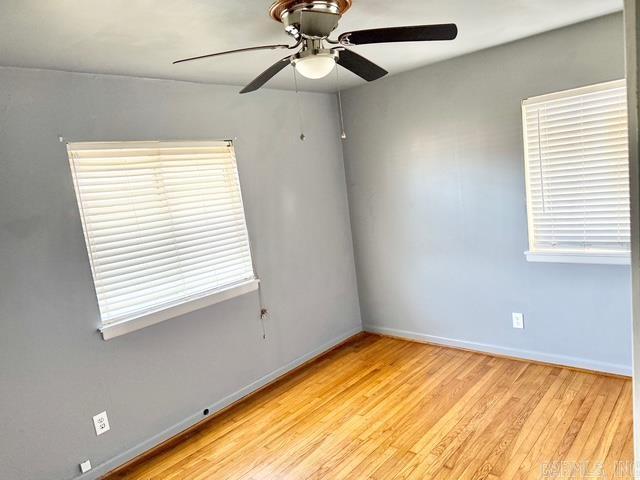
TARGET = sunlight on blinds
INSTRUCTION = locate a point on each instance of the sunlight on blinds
(577, 170)
(163, 221)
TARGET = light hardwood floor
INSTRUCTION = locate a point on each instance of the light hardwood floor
(382, 408)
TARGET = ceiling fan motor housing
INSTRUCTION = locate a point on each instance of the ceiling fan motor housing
(309, 18)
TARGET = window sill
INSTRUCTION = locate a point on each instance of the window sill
(123, 327)
(568, 257)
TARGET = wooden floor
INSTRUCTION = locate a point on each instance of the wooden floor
(382, 408)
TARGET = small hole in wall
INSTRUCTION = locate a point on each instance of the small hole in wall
(206, 411)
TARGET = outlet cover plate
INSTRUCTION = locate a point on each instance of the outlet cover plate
(518, 320)
(101, 423)
(85, 466)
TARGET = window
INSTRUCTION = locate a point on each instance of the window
(164, 226)
(577, 173)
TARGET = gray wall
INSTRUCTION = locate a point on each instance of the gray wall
(435, 177)
(55, 370)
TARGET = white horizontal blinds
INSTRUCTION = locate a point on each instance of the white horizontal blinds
(577, 167)
(163, 221)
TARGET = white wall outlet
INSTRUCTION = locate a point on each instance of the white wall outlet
(101, 423)
(85, 466)
(518, 320)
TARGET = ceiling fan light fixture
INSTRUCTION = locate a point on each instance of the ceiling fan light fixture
(315, 66)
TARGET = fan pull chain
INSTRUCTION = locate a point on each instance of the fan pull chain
(299, 97)
(343, 134)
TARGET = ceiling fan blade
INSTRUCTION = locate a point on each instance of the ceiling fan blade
(239, 50)
(267, 75)
(417, 33)
(359, 65)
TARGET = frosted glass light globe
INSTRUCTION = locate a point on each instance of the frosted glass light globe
(315, 66)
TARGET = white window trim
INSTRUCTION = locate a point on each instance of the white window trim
(578, 257)
(122, 327)
(560, 256)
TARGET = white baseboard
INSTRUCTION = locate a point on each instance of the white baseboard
(148, 444)
(561, 360)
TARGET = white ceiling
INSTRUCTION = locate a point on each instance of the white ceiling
(143, 37)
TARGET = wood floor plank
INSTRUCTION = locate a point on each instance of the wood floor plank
(384, 408)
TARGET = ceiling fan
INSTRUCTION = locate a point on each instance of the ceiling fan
(310, 22)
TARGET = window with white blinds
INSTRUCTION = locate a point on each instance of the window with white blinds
(577, 174)
(163, 221)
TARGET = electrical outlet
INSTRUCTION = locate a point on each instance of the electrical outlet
(85, 466)
(101, 423)
(518, 320)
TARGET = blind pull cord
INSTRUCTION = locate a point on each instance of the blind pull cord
(544, 206)
(264, 313)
